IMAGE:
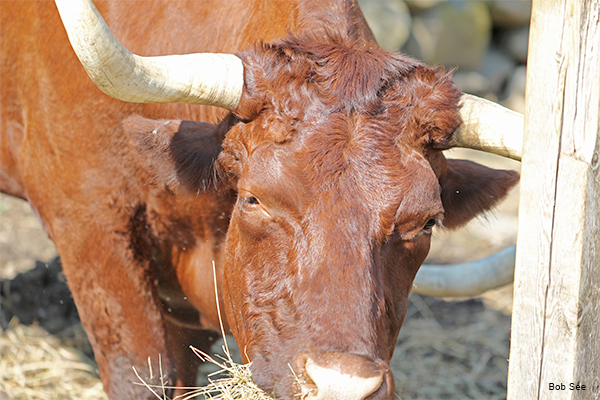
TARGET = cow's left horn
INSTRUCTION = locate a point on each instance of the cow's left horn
(489, 127)
(469, 279)
(212, 79)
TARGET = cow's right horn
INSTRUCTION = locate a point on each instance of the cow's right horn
(211, 79)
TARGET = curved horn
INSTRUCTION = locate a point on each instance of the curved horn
(211, 79)
(469, 279)
(489, 127)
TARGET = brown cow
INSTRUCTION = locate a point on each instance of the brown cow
(315, 197)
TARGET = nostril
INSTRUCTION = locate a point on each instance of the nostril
(348, 378)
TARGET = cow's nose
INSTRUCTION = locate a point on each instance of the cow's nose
(342, 376)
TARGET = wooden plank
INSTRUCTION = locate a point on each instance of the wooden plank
(588, 345)
(555, 335)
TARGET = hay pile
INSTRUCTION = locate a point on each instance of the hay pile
(236, 383)
(35, 365)
(232, 381)
(442, 356)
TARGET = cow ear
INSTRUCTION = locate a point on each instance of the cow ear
(178, 154)
(468, 189)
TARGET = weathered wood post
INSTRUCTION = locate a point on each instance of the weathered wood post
(555, 342)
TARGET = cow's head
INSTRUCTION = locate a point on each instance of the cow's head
(335, 152)
(337, 163)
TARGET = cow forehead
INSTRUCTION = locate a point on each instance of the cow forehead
(343, 160)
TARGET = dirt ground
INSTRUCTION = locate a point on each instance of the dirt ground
(447, 349)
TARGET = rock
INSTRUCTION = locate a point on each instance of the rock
(515, 90)
(455, 33)
(472, 82)
(506, 13)
(497, 67)
(515, 42)
(389, 20)
(421, 5)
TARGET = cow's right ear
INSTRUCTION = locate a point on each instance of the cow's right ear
(469, 189)
(175, 153)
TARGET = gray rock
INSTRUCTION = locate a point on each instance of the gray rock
(515, 42)
(455, 33)
(421, 5)
(497, 67)
(506, 13)
(472, 82)
(389, 20)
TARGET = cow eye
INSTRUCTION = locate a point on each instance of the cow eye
(251, 200)
(430, 224)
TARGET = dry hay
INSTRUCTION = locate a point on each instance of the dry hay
(237, 382)
(438, 359)
(232, 381)
(34, 365)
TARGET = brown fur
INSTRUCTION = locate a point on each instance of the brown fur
(311, 198)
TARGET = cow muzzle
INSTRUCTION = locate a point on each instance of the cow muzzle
(342, 376)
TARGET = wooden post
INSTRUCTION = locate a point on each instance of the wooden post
(555, 339)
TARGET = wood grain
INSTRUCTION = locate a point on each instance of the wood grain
(556, 318)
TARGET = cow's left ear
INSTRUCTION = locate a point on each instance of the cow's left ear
(178, 154)
(468, 189)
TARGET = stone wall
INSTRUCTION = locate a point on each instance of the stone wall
(484, 41)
